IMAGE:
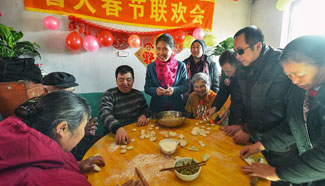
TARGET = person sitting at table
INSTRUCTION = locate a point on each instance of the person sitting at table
(199, 62)
(61, 81)
(123, 105)
(303, 62)
(40, 154)
(202, 98)
(229, 65)
(166, 78)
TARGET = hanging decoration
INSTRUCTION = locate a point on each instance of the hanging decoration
(146, 54)
(188, 41)
(164, 14)
(51, 23)
(121, 37)
(105, 38)
(73, 41)
(198, 33)
(210, 40)
(134, 41)
(90, 43)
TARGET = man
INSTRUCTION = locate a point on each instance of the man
(123, 105)
(201, 99)
(229, 65)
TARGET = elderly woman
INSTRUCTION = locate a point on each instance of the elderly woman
(303, 62)
(40, 154)
(202, 98)
(199, 62)
(166, 79)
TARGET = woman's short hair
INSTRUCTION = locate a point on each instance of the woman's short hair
(56, 107)
(307, 49)
(201, 76)
(167, 39)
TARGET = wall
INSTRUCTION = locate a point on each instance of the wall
(265, 15)
(95, 71)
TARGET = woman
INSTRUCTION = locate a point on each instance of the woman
(303, 62)
(40, 155)
(166, 79)
(202, 98)
(199, 62)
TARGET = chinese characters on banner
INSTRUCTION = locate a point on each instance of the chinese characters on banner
(148, 13)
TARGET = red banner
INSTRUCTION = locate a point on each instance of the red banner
(148, 13)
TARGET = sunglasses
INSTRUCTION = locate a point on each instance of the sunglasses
(242, 51)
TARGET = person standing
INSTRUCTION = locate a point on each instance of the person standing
(166, 78)
(199, 62)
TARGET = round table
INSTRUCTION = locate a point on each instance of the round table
(222, 169)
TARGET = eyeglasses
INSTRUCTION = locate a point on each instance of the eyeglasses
(240, 51)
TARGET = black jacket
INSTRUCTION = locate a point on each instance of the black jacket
(227, 85)
(309, 164)
(213, 72)
(263, 86)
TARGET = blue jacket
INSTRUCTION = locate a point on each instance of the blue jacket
(161, 103)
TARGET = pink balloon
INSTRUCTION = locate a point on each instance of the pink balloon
(134, 41)
(51, 22)
(90, 43)
(198, 33)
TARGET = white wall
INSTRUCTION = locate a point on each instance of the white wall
(265, 16)
(95, 71)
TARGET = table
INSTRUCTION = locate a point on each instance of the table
(222, 169)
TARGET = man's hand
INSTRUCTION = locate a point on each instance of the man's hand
(169, 91)
(91, 127)
(231, 130)
(87, 165)
(160, 91)
(209, 112)
(248, 150)
(261, 170)
(132, 183)
(241, 137)
(122, 136)
(142, 121)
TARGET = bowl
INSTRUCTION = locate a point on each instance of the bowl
(170, 118)
(186, 177)
(168, 146)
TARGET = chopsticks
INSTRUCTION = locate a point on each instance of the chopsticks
(141, 177)
(202, 163)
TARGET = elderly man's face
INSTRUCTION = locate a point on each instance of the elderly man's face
(200, 88)
(124, 82)
(249, 55)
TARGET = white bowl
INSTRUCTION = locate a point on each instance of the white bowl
(168, 146)
(187, 177)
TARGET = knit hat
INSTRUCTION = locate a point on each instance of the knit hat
(201, 43)
(60, 79)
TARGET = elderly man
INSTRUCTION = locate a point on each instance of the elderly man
(123, 105)
(202, 98)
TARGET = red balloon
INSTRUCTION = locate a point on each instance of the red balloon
(73, 41)
(179, 36)
(134, 41)
(105, 38)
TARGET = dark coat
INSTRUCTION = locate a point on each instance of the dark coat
(309, 164)
(227, 88)
(263, 86)
(213, 72)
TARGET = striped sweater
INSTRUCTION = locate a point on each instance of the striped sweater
(118, 109)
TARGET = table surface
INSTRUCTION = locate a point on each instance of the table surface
(222, 169)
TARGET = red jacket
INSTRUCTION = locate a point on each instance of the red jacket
(28, 157)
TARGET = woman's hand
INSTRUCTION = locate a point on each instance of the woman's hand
(87, 165)
(248, 150)
(241, 137)
(261, 170)
(160, 91)
(169, 91)
(231, 130)
(209, 112)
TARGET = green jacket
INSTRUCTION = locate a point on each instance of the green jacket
(309, 164)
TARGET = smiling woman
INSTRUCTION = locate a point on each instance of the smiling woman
(166, 78)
